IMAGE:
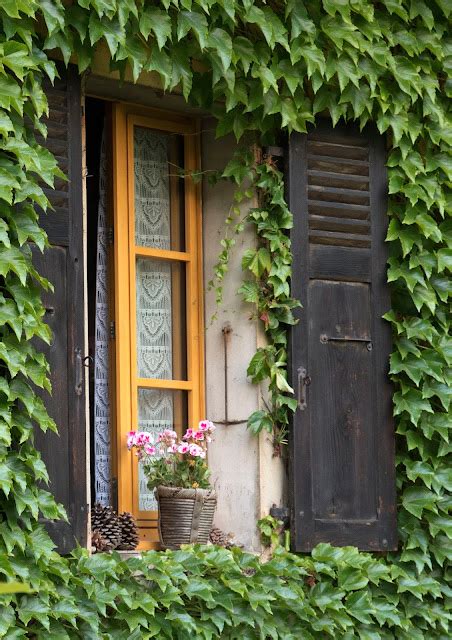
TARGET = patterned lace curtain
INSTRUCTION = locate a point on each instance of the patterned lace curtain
(153, 288)
(154, 308)
(102, 451)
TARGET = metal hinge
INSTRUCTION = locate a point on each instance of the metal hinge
(281, 513)
(276, 152)
(112, 329)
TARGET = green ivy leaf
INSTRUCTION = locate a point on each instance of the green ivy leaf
(192, 21)
(413, 402)
(416, 499)
(157, 21)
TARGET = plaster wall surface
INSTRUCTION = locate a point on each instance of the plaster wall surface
(247, 478)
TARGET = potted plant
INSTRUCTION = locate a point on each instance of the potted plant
(178, 473)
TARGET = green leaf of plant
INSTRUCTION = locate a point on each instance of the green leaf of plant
(192, 21)
(157, 21)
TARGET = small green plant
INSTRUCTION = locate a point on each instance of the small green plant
(273, 533)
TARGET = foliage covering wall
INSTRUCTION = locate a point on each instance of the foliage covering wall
(271, 65)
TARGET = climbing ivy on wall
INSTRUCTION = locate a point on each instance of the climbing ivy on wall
(258, 67)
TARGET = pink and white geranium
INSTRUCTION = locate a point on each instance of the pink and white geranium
(171, 461)
(193, 442)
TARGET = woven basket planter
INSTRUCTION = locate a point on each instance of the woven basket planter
(185, 515)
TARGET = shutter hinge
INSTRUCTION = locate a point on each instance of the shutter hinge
(110, 236)
(276, 152)
(112, 329)
(282, 514)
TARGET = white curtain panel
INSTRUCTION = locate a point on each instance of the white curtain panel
(102, 449)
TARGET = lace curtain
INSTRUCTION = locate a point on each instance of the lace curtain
(102, 452)
(153, 288)
(153, 303)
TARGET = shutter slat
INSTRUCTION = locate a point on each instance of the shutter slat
(339, 151)
(337, 194)
(339, 239)
(332, 164)
(320, 207)
(342, 444)
(332, 179)
(351, 225)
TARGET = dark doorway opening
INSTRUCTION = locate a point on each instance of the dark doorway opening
(99, 272)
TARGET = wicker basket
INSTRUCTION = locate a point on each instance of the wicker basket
(185, 515)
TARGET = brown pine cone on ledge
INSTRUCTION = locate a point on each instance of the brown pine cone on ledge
(98, 543)
(129, 532)
(106, 522)
(220, 538)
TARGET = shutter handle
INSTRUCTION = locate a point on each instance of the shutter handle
(78, 372)
(303, 381)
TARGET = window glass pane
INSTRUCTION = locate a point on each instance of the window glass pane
(159, 191)
(158, 409)
(161, 327)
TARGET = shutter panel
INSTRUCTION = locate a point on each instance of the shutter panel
(62, 264)
(342, 448)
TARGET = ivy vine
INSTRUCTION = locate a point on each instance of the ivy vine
(267, 285)
(258, 67)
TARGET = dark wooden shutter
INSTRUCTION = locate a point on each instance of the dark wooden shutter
(342, 449)
(62, 264)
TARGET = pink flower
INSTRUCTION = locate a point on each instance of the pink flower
(183, 448)
(196, 451)
(206, 425)
(143, 437)
(167, 437)
(131, 439)
(149, 449)
(198, 435)
(172, 448)
(188, 434)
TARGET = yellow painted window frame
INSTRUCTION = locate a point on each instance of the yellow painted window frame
(124, 118)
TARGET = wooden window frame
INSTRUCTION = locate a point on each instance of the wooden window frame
(127, 383)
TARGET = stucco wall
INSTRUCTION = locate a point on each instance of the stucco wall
(248, 479)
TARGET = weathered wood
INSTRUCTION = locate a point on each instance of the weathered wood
(62, 264)
(338, 194)
(339, 239)
(352, 225)
(339, 263)
(342, 443)
(335, 179)
(338, 209)
(330, 163)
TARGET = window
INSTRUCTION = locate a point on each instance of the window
(158, 301)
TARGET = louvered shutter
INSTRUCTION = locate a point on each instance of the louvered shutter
(342, 448)
(62, 264)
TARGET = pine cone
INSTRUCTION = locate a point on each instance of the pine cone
(219, 537)
(129, 532)
(98, 542)
(105, 521)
